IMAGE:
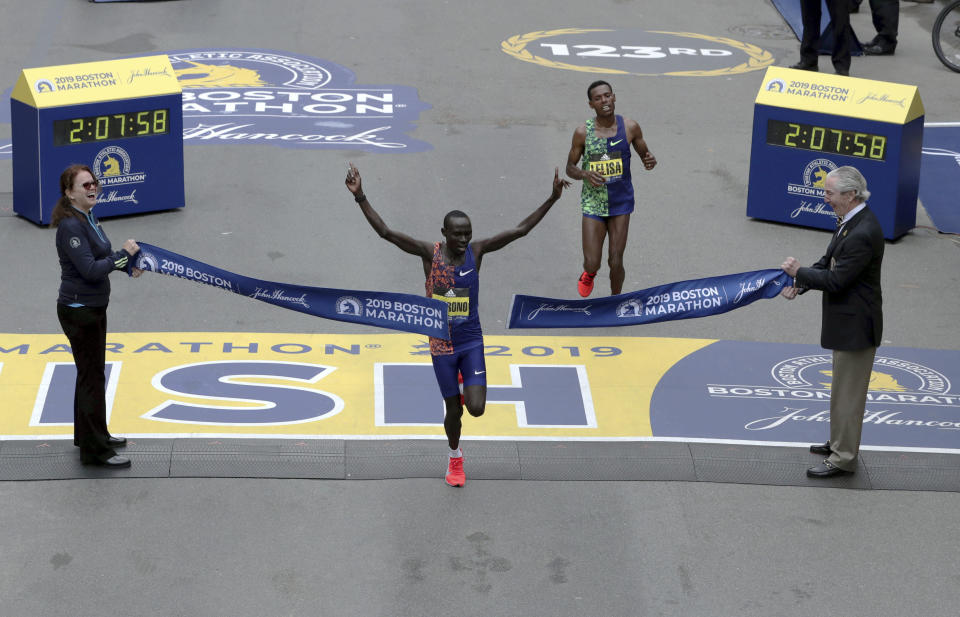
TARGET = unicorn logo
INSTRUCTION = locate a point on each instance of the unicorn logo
(821, 177)
(147, 261)
(111, 166)
(815, 174)
(218, 76)
(776, 85)
(113, 162)
(879, 382)
(348, 305)
(888, 375)
(630, 308)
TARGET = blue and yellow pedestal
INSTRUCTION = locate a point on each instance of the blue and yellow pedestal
(123, 118)
(806, 124)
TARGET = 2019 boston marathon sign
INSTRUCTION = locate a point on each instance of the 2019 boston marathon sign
(397, 311)
(683, 300)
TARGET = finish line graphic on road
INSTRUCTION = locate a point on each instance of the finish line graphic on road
(382, 386)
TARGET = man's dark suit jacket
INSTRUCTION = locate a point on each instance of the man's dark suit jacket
(849, 277)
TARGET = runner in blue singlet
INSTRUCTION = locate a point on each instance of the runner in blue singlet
(603, 144)
(452, 270)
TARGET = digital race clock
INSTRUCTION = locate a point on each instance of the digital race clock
(110, 127)
(826, 139)
(807, 124)
(122, 118)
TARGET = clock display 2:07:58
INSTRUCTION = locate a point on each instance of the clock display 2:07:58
(825, 139)
(111, 126)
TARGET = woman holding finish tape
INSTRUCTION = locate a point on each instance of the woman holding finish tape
(86, 261)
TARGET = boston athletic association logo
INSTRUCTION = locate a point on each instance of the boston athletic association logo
(810, 191)
(732, 390)
(775, 85)
(348, 305)
(630, 308)
(113, 167)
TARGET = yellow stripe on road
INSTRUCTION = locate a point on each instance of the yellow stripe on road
(380, 385)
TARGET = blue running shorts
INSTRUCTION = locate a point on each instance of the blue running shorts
(470, 363)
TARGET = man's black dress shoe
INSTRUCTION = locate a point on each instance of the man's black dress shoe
(114, 462)
(826, 469)
(823, 450)
(803, 66)
(878, 50)
(116, 442)
(844, 72)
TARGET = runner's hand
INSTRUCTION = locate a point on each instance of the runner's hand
(649, 161)
(353, 180)
(594, 178)
(558, 184)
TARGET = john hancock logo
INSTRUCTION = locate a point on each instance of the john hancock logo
(259, 96)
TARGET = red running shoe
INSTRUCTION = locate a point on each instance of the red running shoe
(585, 284)
(455, 475)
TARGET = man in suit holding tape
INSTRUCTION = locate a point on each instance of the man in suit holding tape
(849, 277)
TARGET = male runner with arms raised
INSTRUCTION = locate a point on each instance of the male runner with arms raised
(603, 143)
(452, 270)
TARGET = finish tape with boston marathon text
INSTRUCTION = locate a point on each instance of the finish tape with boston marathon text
(683, 300)
(396, 311)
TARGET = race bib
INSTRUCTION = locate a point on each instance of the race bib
(610, 166)
(457, 299)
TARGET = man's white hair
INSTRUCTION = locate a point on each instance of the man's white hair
(850, 179)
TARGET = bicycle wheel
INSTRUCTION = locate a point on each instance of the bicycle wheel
(946, 36)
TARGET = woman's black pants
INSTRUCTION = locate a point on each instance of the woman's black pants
(86, 329)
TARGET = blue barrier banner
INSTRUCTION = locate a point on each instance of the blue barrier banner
(397, 311)
(683, 300)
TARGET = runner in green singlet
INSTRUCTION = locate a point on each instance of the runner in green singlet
(601, 146)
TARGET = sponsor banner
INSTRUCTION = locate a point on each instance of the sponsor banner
(683, 300)
(257, 96)
(839, 95)
(764, 392)
(637, 52)
(96, 82)
(396, 311)
(317, 385)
